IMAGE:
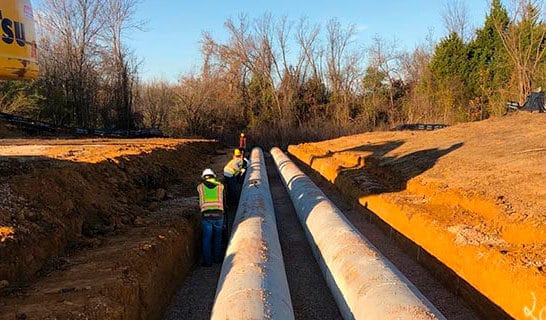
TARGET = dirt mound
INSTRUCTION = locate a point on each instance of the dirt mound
(472, 195)
(57, 192)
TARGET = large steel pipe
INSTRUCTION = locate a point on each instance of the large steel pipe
(365, 284)
(253, 281)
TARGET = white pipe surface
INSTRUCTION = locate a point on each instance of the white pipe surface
(364, 283)
(253, 283)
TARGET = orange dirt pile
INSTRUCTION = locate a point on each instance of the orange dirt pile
(472, 195)
(83, 219)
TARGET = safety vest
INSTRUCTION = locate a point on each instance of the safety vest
(211, 198)
(233, 167)
(242, 142)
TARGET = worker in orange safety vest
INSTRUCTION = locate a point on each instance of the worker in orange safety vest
(242, 142)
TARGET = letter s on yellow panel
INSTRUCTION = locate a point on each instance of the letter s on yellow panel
(18, 49)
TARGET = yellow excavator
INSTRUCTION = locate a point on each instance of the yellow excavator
(18, 49)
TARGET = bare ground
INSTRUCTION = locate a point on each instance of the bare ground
(75, 214)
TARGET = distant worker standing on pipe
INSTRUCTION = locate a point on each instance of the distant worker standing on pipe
(242, 142)
(211, 202)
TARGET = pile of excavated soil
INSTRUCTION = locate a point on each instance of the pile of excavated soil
(90, 227)
(472, 195)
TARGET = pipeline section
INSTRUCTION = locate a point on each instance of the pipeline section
(364, 283)
(253, 282)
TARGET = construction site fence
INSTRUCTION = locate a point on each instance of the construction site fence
(45, 128)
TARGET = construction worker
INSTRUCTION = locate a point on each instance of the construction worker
(242, 142)
(231, 171)
(211, 202)
(246, 164)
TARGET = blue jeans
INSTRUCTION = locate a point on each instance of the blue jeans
(212, 238)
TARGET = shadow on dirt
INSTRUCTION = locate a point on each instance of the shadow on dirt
(377, 173)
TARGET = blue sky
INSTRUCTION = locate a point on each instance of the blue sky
(169, 46)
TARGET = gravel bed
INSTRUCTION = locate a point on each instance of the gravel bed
(194, 300)
(311, 297)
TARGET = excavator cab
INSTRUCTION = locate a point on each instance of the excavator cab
(18, 49)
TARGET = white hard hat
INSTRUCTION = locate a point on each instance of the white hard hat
(208, 172)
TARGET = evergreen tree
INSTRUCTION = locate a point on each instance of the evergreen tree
(448, 79)
(375, 96)
(489, 62)
(450, 59)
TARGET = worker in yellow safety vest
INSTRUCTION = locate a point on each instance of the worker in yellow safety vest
(246, 163)
(232, 170)
(211, 202)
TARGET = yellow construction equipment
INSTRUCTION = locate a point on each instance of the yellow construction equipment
(18, 49)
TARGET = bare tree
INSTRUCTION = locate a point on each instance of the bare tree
(456, 19)
(385, 56)
(419, 106)
(270, 87)
(339, 40)
(72, 27)
(524, 39)
(343, 63)
(155, 103)
(307, 38)
(118, 19)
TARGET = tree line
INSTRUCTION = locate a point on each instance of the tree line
(281, 81)
(88, 77)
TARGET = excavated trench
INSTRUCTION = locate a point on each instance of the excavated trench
(311, 297)
(451, 305)
(113, 236)
(467, 201)
(96, 229)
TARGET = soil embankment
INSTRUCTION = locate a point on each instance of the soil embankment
(96, 228)
(471, 195)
